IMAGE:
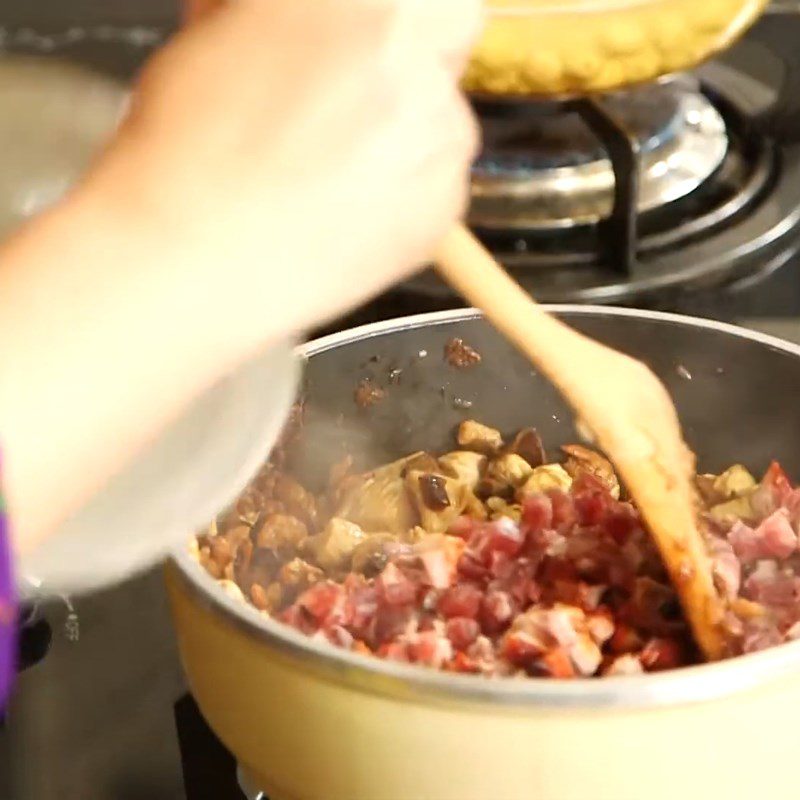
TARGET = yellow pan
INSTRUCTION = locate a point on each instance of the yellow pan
(308, 721)
(545, 48)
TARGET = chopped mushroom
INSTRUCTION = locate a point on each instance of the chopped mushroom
(237, 535)
(371, 556)
(545, 478)
(509, 468)
(380, 501)
(439, 500)
(279, 531)
(463, 465)
(474, 436)
(503, 475)
(250, 505)
(473, 507)
(334, 546)
(297, 575)
(583, 459)
(500, 508)
(528, 444)
(424, 462)
(734, 482)
(739, 508)
(433, 491)
(297, 500)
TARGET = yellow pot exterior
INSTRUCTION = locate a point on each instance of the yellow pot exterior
(536, 47)
(304, 737)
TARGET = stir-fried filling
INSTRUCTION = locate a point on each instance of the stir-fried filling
(490, 559)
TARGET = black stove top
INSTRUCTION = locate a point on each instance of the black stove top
(102, 711)
(209, 771)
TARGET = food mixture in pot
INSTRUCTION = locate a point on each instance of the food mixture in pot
(495, 559)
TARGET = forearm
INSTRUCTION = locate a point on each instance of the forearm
(100, 346)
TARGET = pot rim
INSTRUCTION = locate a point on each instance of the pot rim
(699, 683)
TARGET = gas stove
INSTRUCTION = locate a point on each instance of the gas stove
(684, 195)
(648, 195)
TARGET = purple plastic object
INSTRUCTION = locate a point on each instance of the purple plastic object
(8, 610)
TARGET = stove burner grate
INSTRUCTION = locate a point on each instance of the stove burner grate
(739, 223)
(544, 172)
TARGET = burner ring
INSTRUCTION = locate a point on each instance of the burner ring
(527, 188)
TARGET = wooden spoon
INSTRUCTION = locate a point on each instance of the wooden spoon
(625, 408)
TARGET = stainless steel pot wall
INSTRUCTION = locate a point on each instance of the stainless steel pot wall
(277, 698)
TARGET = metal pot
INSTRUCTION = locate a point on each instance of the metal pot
(309, 722)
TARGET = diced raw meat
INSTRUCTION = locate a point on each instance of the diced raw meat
(323, 601)
(621, 522)
(759, 635)
(727, 569)
(529, 579)
(462, 632)
(625, 639)
(793, 632)
(792, 506)
(777, 534)
(339, 636)
(522, 648)
(771, 586)
(628, 664)
(394, 588)
(505, 536)
(556, 663)
(497, 610)
(461, 600)
(438, 568)
(564, 514)
(586, 656)
(562, 623)
(746, 544)
(601, 627)
(660, 654)
(778, 481)
(430, 648)
(537, 513)
(592, 506)
(471, 566)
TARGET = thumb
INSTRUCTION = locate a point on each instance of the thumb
(194, 9)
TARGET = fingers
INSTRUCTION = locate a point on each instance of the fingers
(451, 126)
(448, 28)
(194, 9)
(441, 140)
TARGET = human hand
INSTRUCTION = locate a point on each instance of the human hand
(299, 157)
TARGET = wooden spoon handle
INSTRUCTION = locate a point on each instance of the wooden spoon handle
(662, 489)
(467, 266)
